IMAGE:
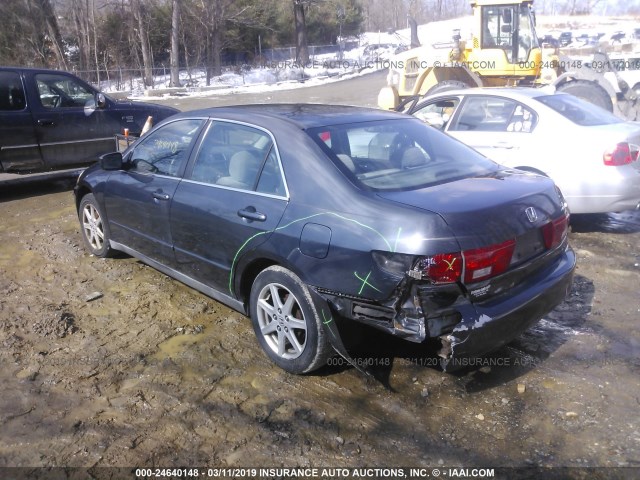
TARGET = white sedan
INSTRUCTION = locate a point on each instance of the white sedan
(590, 154)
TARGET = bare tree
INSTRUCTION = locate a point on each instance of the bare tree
(143, 38)
(302, 51)
(20, 40)
(93, 35)
(214, 18)
(82, 27)
(175, 44)
(53, 30)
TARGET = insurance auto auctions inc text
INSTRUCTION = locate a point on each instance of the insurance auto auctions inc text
(374, 64)
(351, 473)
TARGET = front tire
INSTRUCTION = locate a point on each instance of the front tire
(95, 230)
(286, 323)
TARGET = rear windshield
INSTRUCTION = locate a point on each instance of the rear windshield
(400, 154)
(578, 111)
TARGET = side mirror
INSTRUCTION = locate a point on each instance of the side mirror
(101, 100)
(506, 16)
(111, 161)
(505, 29)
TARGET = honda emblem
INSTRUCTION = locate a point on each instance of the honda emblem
(532, 215)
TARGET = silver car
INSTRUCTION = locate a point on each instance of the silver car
(591, 154)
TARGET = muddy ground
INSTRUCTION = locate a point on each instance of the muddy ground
(111, 363)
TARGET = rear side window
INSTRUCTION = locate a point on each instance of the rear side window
(11, 92)
(578, 111)
(238, 156)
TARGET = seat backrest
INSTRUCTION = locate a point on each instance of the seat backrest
(243, 169)
(413, 157)
(347, 160)
(388, 146)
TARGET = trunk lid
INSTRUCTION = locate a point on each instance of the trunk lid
(488, 210)
(508, 226)
(618, 132)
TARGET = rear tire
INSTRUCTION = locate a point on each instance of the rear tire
(447, 85)
(588, 91)
(286, 323)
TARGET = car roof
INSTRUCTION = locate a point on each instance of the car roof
(303, 115)
(510, 92)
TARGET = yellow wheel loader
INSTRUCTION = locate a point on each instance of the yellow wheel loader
(503, 51)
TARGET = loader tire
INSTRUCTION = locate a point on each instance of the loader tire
(588, 91)
(447, 85)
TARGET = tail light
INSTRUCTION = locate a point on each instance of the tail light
(442, 268)
(479, 264)
(486, 262)
(555, 231)
(622, 154)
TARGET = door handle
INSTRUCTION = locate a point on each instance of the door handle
(46, 122)
(250, 214)
(161, 196)
(506, 145)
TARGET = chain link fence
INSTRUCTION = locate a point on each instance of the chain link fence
(130, 79)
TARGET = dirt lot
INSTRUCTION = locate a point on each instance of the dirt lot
(110, 363)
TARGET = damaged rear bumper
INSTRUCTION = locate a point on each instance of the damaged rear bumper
(467, 329)
(496, 323)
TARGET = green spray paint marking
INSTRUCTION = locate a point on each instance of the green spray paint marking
(332, 331)
(395, 245)
(346, 219)
(365, 282)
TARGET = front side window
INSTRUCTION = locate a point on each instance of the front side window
(400, 154)
(60, 91)
(165, 150)
(11, 92)
(494, 114)
(238, 156)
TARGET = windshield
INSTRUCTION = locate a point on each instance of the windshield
(399, 154)
(578, 111)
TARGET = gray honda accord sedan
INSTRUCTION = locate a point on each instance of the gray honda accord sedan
(302, 215)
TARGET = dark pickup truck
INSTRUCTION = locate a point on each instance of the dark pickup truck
(52, 120)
